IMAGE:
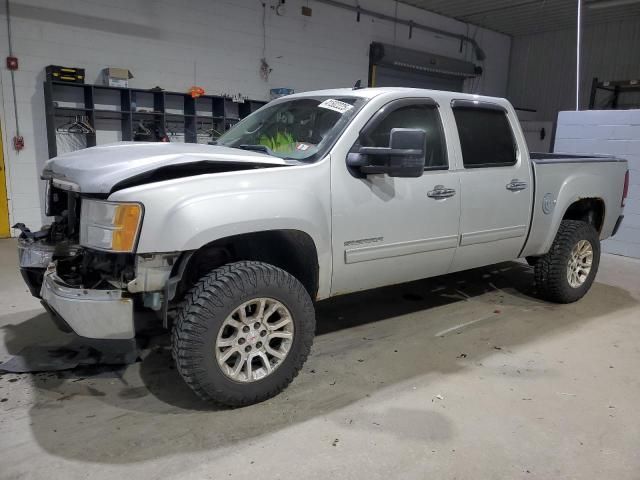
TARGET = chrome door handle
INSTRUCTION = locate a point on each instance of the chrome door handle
(516, 185)
(440, 191)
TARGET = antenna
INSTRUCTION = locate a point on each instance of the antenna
(357, 85)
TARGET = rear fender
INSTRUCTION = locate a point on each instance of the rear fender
(572, 184)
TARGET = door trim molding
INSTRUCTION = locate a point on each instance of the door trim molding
(377, 252)
(485, 236)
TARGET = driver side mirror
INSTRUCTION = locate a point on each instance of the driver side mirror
(404, 157)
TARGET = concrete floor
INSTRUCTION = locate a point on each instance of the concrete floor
(463, 376)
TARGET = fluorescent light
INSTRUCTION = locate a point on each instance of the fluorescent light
(610, 3)
(578, 45)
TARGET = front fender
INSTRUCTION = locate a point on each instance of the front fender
(185, 214)
(203, 219)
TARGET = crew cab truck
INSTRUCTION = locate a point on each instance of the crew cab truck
(314, 195)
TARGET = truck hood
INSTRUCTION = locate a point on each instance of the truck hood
(114, 166)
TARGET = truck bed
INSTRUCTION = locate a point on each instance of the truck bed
(539, 157)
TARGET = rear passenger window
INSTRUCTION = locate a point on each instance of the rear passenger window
(485, 137)
(424, 117)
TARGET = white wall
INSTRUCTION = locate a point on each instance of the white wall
(611, 132)
(542, 66)
(216, 44)
(533, 131)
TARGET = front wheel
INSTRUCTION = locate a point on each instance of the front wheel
(566, 272)
(243, 333)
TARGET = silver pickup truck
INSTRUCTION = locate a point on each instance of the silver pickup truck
(314, 195)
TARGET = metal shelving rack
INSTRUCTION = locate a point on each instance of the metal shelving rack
(615, 89)
(216, 112)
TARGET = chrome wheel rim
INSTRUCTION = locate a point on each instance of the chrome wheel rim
(580, 263)
(254, 340)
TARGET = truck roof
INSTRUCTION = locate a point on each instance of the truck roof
(438, 95)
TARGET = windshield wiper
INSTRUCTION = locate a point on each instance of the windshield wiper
(258, 148)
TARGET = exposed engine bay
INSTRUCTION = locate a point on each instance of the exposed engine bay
(76, 266)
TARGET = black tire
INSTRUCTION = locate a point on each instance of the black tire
(202, 313)
(551, 269)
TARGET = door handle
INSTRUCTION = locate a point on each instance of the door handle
(516, 185)
(440, 191)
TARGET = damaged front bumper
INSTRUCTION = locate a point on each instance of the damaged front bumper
(34, 259)
(58, 275)
(103, 314)
(35, 256)
(90, 313)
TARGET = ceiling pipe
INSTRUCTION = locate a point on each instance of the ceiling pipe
(596, 5)
(480, 55)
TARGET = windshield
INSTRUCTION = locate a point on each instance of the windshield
(297, 129)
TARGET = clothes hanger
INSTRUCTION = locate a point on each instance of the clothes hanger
(142, 130)
(83, 121)
(79, 125)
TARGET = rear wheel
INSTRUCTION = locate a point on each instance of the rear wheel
(567, 271)
(243, 333)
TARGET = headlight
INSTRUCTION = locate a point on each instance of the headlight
(110, 226)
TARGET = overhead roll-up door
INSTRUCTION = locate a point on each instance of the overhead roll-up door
(391, 66)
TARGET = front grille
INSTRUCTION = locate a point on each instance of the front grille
(64, 206)
(56, 200)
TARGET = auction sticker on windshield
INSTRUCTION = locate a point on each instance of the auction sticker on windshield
(336, 105)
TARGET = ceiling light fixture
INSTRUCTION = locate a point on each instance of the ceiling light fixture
(578, 47)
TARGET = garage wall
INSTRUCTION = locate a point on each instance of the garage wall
(212, 43)
(609, 132)
(542, 66)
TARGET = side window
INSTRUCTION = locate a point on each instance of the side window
(485, 137)
(424, 117)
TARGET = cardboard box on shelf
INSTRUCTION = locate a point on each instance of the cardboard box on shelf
(116, 77)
